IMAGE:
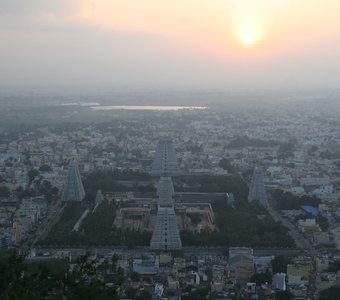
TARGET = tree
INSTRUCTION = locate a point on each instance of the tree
(19, 281)
(84, 282)
(12, 266)
(8, 164)
(4, 191)
(280, 263)
(331, 293)
(32, 174)
(45, 187)
(239, 226)
(200, 294)
(20, 192)
(284, 295)
(195, 218)
(286, 200)
(144, 296)
(45, 168)
(226, 165)
(334, 266)
(51, 194)
(323, 222)
(131, 293)
(135, 276)
(261, 278)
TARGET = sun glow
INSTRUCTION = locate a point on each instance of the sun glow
(247, 40)
(249, 33)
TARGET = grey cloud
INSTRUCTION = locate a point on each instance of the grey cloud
(38, 51)
(37, 6)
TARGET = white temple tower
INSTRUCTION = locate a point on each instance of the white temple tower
(257, 190)
(165, 162)
(165, 235)
(73, 187)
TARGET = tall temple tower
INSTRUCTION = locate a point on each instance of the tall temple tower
(165, 162)
(73, 187)
(99, 197)
(165, 235)
(165, 192)
(257, 190)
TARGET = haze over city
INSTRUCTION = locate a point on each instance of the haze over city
(174, 150)
(219, 44)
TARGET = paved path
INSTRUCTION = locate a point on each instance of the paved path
(301, 242)
(52, 216)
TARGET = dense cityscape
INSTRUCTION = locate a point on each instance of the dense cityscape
(218, 201)
(169, 150)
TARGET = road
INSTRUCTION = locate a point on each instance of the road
(301, 242)
(54, 212)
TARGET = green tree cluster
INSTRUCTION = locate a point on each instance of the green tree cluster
(18, 280)
(32, 174)
(279, 264)
(331, 293)
(334, 266)
(212, 184)
(226, 165)
(61, 233)
(97, 228)
(199, 294)
(123, 175)
(111, 181)
(286, 200)
(261, 278)
(45, 168)
(5, 191)
(284, 295)
(240, 227)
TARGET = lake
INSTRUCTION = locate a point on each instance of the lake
(148, 107)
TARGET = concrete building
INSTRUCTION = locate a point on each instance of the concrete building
(218, 278)
(279, 281)
(241, 263)
(297, 274)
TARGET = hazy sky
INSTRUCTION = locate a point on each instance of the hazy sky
(171, 43)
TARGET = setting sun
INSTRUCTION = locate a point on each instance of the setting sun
(247, 40)
(249, 33)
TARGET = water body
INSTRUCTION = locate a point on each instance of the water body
(80, 104)
(148, 107)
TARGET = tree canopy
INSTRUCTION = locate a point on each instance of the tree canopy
(19, 280)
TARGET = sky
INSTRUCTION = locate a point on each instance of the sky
(208, 44)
